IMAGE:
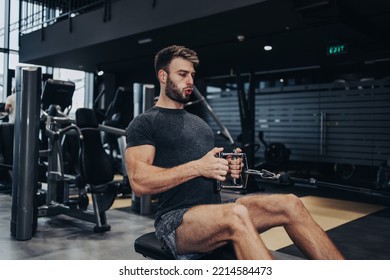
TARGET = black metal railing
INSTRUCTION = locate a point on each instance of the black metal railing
(38, 14)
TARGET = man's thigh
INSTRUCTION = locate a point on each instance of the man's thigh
(203, 228)
(267, 210)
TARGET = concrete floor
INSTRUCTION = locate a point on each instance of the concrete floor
(65, 238)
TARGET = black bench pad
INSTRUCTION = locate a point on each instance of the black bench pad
(149, 246)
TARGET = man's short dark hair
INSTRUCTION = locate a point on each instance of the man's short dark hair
(166, 55)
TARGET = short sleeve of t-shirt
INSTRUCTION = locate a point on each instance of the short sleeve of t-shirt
(139, 131)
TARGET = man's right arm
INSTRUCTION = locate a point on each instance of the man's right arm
(147, 179)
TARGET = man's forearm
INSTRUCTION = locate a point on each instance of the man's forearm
(149, 179)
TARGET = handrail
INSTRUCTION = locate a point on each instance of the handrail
(35, 16)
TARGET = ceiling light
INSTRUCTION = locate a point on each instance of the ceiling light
(268, 44)
(145, 41)
(100, 72)
(240, 38)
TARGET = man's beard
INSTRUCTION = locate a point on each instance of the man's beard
(175, 94)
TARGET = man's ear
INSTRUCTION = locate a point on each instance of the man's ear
(162, 76)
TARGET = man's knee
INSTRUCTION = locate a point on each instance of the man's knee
(239, 211)
(292, 201)
(293, 206)
(237, 217)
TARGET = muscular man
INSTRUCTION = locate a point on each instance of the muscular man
(171, 152)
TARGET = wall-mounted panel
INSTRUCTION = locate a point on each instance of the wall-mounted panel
(319, 123)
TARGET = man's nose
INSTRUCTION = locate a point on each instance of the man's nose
(190, 80)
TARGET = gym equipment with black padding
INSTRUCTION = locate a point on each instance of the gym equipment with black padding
(6, 156)
(96, 167)
(149, 246)
(58, 93)
(119, 114)
(63, 193)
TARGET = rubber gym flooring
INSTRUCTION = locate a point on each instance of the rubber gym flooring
(359, 226)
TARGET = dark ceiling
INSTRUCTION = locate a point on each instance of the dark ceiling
(300, 31)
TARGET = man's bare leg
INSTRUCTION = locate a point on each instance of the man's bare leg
(268, 211)
(207, 227)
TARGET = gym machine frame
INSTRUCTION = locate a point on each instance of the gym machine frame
(25, 185)
(59, 200)
(60, 203)
(282, 178)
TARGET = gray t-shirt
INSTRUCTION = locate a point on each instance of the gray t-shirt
(178, 137)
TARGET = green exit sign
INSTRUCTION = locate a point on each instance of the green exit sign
(336, 49)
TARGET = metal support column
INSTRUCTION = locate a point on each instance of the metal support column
(143, 100)
(26, 153)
